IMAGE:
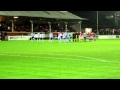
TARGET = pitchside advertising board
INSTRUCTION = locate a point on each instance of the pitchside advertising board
(108, 36)
(22, 37)
(18, 37)
(89, 30)
(28, 37)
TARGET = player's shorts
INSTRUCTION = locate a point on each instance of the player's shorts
(51, 38)
(81, 37)
(94, 38)
(32, 38)
(91, 38)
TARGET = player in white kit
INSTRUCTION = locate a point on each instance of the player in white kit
(38, 38)
(65, 37)
(60, 37)
(50, 37)
(43, 36)
(32, 36)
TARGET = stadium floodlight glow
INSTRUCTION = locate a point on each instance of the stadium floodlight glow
(118, 15)
(15, 17)
(112, 16)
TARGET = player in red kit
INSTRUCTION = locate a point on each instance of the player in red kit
(94, 36)
(90, 37)
(81, 37)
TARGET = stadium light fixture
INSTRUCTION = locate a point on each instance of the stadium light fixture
(15, 17)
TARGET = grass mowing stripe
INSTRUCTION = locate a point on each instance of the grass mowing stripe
(95, 59)
(45, 57)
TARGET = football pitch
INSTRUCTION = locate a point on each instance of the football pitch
(72, 60)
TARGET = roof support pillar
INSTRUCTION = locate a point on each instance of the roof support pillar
(31, 25)
(66, 26)
(12, 25)
(49, 26)
(80, 22)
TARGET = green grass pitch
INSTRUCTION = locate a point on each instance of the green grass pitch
(73, 60)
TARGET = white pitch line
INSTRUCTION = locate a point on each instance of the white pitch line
(96, 59)
(43, 57)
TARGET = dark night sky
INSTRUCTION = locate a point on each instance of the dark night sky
(89, 14)
(92, 16)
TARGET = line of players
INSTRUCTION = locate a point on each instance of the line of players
(40, 37)
(67, 37)
(75, 36)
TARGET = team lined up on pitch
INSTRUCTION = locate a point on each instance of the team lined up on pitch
(66, 37)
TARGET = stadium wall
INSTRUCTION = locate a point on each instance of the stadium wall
(108, 36)
(23, 37)
(47, 36)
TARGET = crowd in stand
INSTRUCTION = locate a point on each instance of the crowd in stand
(39, 28)
(108, 31)
(54, 27)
